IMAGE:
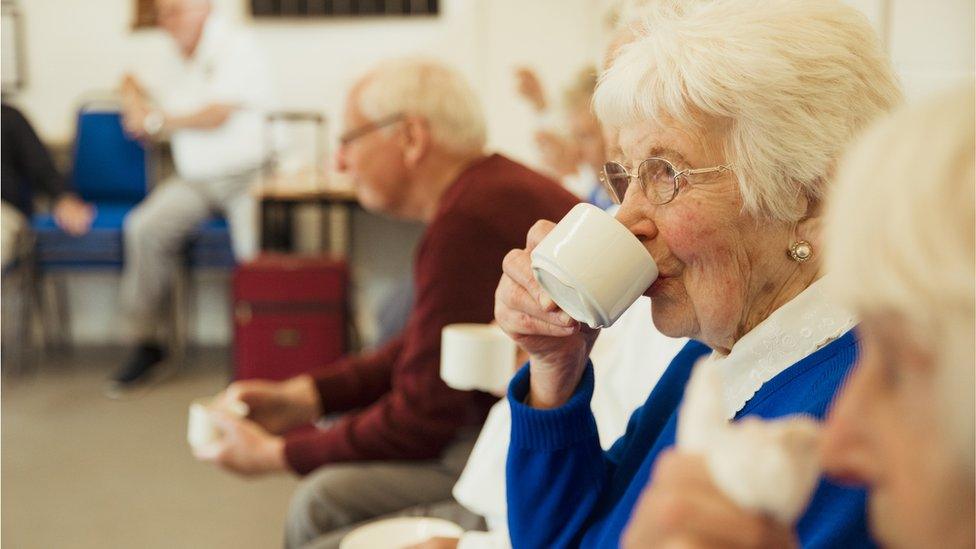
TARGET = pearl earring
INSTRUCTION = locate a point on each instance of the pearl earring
(800, 251)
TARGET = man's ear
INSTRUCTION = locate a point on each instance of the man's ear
(416, 140)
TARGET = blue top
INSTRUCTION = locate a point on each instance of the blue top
(565, 491)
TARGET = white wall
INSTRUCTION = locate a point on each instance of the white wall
(74, 46)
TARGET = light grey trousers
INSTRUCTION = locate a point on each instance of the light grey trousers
(334, 499)
(156, 232)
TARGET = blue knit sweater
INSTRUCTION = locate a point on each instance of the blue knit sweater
(565, 491)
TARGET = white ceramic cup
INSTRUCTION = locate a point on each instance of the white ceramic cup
(592, 266)
(476, 357)
(203, 430)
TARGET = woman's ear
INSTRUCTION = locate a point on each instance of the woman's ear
(809, 226)
(416, 140)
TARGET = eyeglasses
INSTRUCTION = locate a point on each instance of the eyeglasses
(368, 128)
(657, 177)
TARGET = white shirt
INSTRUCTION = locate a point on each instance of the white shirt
(628, 358)
(796, 330)
(227, 67)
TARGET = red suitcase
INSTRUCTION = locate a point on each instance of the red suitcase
(289, 315)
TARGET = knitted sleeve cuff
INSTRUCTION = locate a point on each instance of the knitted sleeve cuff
(556, 428)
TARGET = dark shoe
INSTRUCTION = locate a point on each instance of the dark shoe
(139, 369)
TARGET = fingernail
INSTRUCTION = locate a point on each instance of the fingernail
(546, 302)
(565, 319)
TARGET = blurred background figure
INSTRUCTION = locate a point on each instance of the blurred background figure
(29, 173)
(904, 246)
(212, 115)
(577, 154)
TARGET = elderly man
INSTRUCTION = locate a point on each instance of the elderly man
(213, 115)
(414, 144)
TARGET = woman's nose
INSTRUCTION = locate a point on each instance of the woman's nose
(845, 449)
(340, 159)
(637, 214)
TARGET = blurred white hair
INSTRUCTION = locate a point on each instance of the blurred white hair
(794, 80)
(431, 90)
(900, 239)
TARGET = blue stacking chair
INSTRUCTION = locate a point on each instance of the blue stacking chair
(111, 171)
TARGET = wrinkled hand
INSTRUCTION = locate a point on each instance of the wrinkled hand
(559, 154)
(277, 406)
(436, 543)
(530, 88)
(245, 448)
(681, 507)
(557, 345)
(73, 215)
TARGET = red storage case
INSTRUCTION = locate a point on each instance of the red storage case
(289, 315)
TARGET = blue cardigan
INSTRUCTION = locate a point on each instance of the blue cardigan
(564, 491)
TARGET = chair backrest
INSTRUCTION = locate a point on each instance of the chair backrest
(108, 165)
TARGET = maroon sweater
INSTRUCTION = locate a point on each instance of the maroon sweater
(402, 408)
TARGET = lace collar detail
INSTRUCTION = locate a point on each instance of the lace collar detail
(796, 330)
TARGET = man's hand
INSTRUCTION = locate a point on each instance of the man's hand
(73, 215)
(277, 406)
(245, 448)
(436, 543)
(681, 507)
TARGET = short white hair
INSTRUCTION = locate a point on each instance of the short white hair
(431, 90)
(900, 239)
(795, 81)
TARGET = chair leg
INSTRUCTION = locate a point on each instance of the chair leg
(178, 315)
(62, 314)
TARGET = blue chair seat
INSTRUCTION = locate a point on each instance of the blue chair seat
(100, 248)
(210, 246)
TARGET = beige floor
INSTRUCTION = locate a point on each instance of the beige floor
(80, 471)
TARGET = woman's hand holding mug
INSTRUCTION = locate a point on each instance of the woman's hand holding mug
(557, 345)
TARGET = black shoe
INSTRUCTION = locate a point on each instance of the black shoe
(140, 366)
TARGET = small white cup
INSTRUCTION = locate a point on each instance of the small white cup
(592, 266)
(476, 357)
(203, 430)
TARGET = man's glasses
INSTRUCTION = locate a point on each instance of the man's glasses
(355, 133)
(657, 177)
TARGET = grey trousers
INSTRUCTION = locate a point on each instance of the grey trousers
(156, 232)
(337, 498)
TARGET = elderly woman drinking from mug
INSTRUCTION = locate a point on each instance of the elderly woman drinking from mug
(730, 116)
(903, 425)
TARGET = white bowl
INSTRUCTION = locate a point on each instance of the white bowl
(399, 532)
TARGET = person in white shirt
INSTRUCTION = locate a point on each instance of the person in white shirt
(213, 115)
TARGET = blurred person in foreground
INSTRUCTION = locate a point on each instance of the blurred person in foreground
(28, 171)
(414, 145)
(213, 116)
(727, 153)
(903, 425)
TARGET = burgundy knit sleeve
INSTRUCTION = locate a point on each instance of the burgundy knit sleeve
(458, 267)
(357, 380)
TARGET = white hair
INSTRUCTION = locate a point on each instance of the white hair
(429, 89)
(900, 238)
(793, 80)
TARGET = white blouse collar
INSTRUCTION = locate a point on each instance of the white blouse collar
(796, 330)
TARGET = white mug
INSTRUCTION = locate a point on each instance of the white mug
(592, 266)
(477, 357)
(203, 429)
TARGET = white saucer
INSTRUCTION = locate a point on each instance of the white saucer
(399, 532)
